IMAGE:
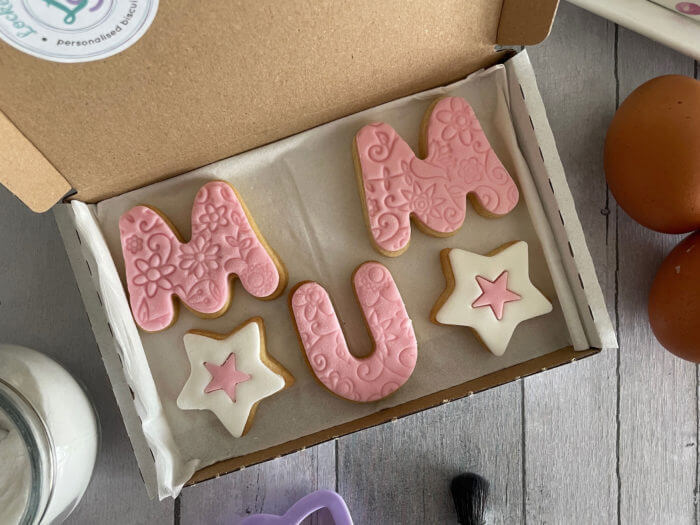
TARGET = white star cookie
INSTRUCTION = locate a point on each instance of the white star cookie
(491, 294)
(230, 374)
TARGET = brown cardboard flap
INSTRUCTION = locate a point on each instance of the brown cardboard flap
(211, 79)
(26, 172)
(526, 22)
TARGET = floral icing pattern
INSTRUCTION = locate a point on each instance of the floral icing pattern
(153, 274)
(224, 243)
(395, 347)
(134, 244)
(396, 184)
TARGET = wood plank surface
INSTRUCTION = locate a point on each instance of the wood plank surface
(658, 392)
(570, 425)
(399, 473)
(270, 487)
(40, 307)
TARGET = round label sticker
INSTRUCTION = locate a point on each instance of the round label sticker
(74, 30)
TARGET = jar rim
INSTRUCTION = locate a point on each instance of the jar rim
(40, 450)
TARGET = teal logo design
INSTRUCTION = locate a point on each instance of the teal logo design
(72, 8)
(70, 15)
(74, 30)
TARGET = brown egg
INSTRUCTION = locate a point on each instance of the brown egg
(652, 154)
(674, 300)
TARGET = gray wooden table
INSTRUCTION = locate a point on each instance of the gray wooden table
(610, 439)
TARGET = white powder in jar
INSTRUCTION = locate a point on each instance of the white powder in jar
(15, 473)
(69, 420)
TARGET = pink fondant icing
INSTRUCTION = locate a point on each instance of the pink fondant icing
(495, 294)
(223, 243)
(459, 161)
(395, 346)
(688, 8)
(225, 377)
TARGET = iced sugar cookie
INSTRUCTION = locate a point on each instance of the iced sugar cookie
(224, 242)
(490, 294)
(393, 358)
(395, 185)
(230, 374)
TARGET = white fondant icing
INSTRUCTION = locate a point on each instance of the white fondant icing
(245, 343)
(458, 309)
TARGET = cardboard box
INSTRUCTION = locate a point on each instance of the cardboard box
(661, 21)
(179, 99)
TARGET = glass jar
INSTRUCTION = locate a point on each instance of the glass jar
(48, 438)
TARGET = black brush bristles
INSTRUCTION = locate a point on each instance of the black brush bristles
(469, 492)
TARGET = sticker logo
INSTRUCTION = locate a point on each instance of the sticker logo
(74, 30)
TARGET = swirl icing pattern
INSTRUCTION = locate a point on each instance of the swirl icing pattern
(396, 184)
(395, 347)
(224, 242)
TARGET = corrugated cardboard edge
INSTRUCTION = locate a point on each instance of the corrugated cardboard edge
(557, 358)
(110, 357)
(525, 23)
(548, 172)
(26, 172)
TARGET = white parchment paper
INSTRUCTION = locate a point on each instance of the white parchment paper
(303, 194)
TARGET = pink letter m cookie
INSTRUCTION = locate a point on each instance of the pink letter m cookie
(225, 242)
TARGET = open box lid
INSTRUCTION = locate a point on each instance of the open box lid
(211, 79)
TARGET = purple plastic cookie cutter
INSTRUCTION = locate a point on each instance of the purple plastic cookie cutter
(321, 499)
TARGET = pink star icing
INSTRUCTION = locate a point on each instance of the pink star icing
(495, 294)
(225, 377)
(397, 185)
(395, 347)
(159, 265)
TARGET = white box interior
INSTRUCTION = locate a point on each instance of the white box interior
(147, 370)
